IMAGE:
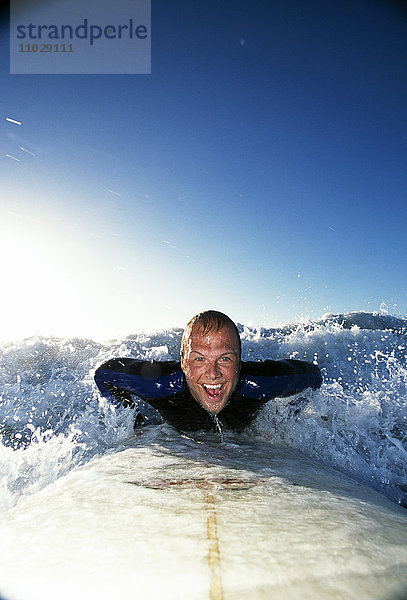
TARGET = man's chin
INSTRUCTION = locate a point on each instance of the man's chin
(214, 405)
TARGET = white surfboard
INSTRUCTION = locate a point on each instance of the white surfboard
(171, 518)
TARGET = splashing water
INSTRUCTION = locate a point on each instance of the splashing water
(52, 418)
(218, 426)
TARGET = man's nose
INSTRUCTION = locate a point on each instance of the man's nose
(213, 369)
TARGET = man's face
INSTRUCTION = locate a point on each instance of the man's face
(211, 364)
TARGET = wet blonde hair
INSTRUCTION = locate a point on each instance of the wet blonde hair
(208, 321)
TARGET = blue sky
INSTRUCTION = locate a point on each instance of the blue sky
(260, 170)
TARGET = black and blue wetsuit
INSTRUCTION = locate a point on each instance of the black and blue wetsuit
(162, 385)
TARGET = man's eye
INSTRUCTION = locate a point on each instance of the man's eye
(225, 358)
(199, 359)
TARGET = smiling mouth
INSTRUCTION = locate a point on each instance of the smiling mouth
(213, 390)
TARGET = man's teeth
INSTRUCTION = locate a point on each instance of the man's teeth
(213, 390)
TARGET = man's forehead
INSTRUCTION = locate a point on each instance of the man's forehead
(224, 337)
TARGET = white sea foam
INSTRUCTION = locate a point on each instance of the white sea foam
(52, 418)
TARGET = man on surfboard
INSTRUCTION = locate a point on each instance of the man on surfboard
(211, 387)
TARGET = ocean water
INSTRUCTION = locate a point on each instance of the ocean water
(52, 418)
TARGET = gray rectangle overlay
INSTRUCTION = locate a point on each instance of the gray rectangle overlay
(80, 37)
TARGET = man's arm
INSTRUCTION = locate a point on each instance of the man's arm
(277, 378)
(263, 381)
(119, 379)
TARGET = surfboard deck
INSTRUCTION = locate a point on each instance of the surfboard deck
(170, 517)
